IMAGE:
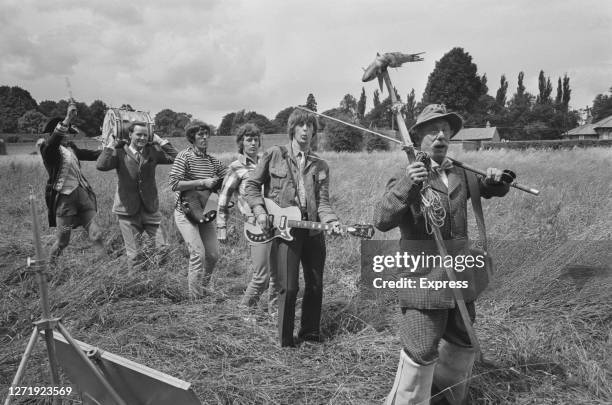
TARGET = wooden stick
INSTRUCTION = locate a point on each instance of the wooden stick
(472, 169)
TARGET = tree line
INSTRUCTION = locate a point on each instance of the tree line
(455, 82)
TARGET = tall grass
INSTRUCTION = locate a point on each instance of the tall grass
(545, 322)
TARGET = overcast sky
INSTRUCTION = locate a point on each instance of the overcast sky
(211, 57)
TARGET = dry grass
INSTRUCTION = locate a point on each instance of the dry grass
(545, 324)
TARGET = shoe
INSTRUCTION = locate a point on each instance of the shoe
(311, 338)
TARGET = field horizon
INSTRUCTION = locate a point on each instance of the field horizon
(545, 323)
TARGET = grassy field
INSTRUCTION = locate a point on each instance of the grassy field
(544, 324)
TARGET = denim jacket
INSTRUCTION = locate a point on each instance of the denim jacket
(272, 172)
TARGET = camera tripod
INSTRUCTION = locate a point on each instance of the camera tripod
(49, 324)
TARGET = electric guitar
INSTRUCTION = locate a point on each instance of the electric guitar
(284, 219)
(199, 214)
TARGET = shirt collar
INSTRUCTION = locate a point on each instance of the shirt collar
(446, 164)
(134, 150)
(244, 159)
(297, 151)
(196, 151)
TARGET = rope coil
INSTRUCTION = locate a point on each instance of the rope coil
(432, 208)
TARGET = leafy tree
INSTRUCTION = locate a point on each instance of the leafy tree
(349, 104)
(266, 126)
(164, 121)
(311, 103)
(519, 108)
(374, 142)
(361, 104)
(559, 97)
(602, 106)
(50, 109)
(97, 109)
(31, 122)
(332, 112)
(182, 119)
(282, 118)
(484, 111)
(566, 91)
(455, 82)
(84, 120)
(500, 97)
(341, 137)
(410, 112)
(225, 128)
(14, 102)
(376, 98)
(381, 116)
(232, 121)
(545, 89)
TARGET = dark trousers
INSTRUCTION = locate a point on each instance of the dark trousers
(310, 251)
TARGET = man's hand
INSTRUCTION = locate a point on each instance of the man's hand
(207, 183)
(71, 113)
(336, 228)
(158, 139)
(417, 172)
(494, 176)
(110, 142)
(264, 222)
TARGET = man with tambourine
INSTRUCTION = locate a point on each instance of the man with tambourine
(136, 201)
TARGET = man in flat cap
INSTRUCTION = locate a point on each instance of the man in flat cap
(436, 345)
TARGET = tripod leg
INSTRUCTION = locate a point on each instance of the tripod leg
(55, 380)
(91, 366)
(22, 364)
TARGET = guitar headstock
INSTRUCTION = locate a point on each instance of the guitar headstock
(365, 231)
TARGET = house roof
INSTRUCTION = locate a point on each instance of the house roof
(589, 129)
(475, 134)
(604, 123)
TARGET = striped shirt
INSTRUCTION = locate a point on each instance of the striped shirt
(239, 171)
(191, 164)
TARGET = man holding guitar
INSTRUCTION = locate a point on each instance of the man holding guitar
(294, 176)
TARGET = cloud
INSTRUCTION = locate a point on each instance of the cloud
(218, 56)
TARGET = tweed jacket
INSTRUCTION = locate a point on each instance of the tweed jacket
(53, 161)
(136, 186)
(272, 172)
(393, 210)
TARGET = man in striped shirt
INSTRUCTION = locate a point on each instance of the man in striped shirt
(248, 139)
(194, 169)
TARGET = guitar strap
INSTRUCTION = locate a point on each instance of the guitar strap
(286, 155)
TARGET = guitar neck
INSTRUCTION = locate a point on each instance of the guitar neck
(309, 225)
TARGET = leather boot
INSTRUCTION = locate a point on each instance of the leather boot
(453, 372)
(412, 383)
